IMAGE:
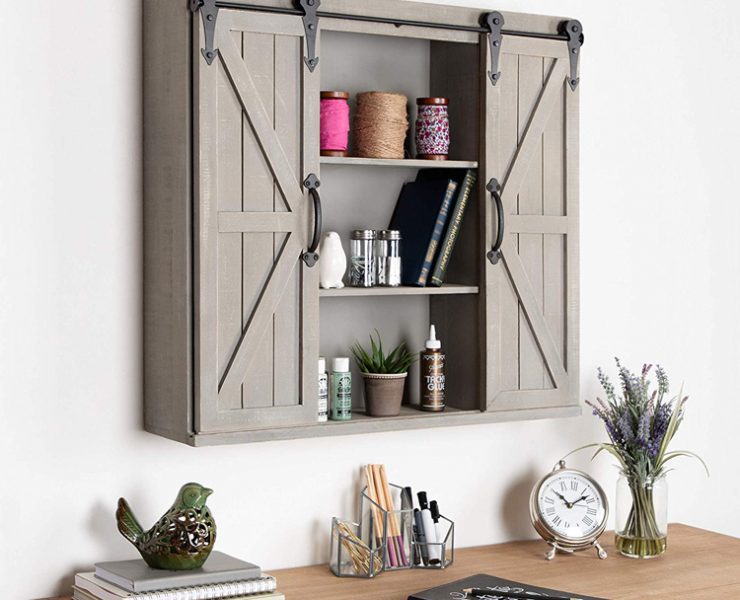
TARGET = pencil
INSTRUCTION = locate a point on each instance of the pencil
(375, 491)
(395, 529)
(383, 501)
(377, 521)
(481, 593)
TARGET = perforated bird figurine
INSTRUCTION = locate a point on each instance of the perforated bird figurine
(183, 537)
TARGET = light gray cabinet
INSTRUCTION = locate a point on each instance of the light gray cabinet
(234, 318)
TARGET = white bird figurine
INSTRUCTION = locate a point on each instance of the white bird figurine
(333, 263)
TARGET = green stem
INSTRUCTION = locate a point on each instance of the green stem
(641, 535)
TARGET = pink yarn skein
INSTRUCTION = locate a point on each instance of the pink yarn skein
(334, 124)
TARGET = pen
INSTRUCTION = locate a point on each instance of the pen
(481, 593)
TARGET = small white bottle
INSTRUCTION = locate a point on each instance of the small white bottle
(323, 391)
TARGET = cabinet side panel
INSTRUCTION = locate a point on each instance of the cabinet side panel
(167, 219)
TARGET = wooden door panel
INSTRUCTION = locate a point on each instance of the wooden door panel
(532, 305)
(258, 302)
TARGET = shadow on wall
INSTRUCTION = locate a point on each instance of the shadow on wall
(515, 506)
(101, 526)
(64, 585)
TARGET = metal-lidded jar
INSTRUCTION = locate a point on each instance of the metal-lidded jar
(388, 259)
(432, 129)
(362, 264)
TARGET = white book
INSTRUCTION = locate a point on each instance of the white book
(80, 594)
(103, 590)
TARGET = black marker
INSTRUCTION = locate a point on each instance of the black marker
(421, 540)
(434, 508)
(407, 506)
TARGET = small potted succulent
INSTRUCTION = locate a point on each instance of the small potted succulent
(384, 376)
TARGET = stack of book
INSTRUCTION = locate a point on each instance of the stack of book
(429, 214)
(221, 577)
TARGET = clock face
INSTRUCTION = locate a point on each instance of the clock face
(571, 505)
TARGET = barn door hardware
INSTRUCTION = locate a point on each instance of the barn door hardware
(494, 254)
(570, 31)
(494, 23)
(310, 9)
(574, 30)
(311, 256)
(209, 13)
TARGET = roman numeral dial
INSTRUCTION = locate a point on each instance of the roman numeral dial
(570, 505)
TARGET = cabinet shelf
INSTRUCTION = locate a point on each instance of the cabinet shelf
(410, 418)
(446, 289)
(405, 162)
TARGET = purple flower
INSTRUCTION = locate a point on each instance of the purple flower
(625, 428)
(660, 426)
(643, 429)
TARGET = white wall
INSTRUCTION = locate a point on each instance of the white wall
(660, 265)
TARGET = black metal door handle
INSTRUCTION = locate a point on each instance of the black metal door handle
(494, 254)
(312, 183)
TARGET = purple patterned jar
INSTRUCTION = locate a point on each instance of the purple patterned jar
(432, 129)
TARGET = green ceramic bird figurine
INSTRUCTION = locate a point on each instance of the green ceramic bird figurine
(183, 537)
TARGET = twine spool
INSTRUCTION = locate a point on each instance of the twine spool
(381, 124)
(432, 129)
(334, 136)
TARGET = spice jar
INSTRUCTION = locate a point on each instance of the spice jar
(362, 266)
(432, 129)
(388, 258)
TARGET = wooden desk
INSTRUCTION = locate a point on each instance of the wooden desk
(699, 565)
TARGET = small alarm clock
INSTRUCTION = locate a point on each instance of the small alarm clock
(569, 510)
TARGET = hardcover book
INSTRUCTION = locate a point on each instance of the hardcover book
(136, 576)
(420, 215)
(453, 591)
(465, 179)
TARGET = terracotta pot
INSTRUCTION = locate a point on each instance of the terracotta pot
(383, 394)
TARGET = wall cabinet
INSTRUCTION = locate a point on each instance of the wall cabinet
(234, 317)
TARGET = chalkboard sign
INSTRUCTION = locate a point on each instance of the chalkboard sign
(453, 591)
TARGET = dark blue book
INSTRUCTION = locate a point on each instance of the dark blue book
(465, 179)
(421, 215)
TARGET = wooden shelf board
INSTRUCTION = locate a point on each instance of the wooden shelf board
(407, 162)
(410, 418)
(448, 288)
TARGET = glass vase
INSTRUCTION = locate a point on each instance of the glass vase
(641, 529)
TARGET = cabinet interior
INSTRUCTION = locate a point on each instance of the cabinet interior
(363, 196)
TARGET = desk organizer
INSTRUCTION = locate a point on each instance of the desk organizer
(383, 540)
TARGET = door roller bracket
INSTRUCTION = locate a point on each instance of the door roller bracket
(494, 22)
(209, 14)
(310, 9)
(574, 30)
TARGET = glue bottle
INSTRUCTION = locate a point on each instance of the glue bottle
(432, 370)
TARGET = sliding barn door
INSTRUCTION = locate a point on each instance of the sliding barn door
(256, 318)
(532, 303)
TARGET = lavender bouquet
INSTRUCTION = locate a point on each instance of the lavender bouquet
(641, 424)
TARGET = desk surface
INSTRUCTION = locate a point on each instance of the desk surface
(698, 564)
